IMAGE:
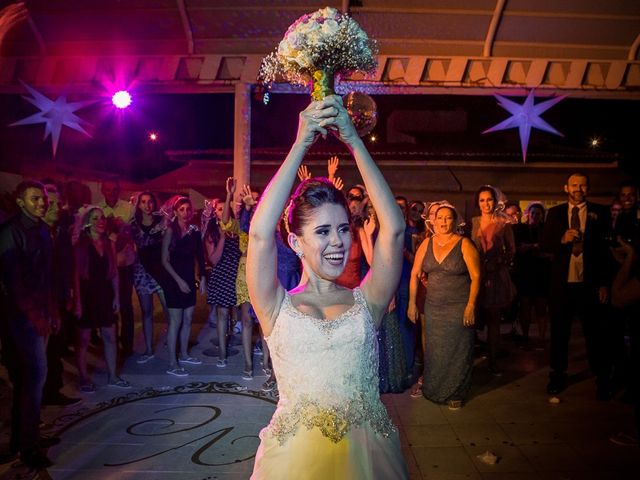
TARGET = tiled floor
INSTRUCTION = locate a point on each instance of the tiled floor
(205, 426)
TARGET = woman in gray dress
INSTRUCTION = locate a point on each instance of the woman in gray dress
(452, 266)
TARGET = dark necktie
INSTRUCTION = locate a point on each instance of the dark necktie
(575, 225)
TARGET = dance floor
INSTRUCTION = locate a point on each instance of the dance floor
(205, 426)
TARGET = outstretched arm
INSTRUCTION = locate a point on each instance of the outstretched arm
(265, 291)
(382, 280)
(230, 185)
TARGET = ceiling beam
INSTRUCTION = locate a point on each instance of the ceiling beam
(186, 25)
(396, 74)
(493, 28)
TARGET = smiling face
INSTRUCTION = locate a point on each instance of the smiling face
(33, 202)
(325, 241)
(628, 197)
(486, 202)
(444, 221)
(577, 189)
(146, 204)
(96, 222)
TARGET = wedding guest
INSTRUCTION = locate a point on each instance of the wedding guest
(63, 282)
(625, 294)
(221, 285)
(492, 234)
(118, 213)
(531, 274)
(26, 294)
(574, 235)
(147, 230)
(181, 252)
(452, 265)
(410, 332)
(97, 295)
(230, 224)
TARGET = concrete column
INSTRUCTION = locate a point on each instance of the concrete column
(242, 134)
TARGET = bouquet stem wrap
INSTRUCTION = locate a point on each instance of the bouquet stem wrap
(322, 84)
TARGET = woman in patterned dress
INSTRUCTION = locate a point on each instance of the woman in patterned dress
(221, 286)
(147, 229)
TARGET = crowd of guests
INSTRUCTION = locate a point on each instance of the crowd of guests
(69, 269)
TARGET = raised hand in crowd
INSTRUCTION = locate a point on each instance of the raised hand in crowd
(303, 173)
(247, 198)
(332, 169)
(337, 182)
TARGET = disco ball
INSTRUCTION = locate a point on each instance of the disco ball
(363, 111)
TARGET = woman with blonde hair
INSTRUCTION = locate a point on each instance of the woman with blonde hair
(97, 298)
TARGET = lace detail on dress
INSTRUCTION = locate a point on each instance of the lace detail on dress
(327, 373)
(327, 326)
(334, 422)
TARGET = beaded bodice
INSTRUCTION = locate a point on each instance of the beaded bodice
(327, 372)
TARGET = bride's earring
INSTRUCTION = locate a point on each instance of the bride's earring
(299, 254)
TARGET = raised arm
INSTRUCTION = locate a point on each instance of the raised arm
(231, 189)
(381, 282)
(265, 290)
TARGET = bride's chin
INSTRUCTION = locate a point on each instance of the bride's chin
(330, 275)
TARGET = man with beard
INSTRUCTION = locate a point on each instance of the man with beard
(574, 234)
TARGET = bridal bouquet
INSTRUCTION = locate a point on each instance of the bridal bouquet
(318, 46)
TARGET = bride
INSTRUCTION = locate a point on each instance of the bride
(330, 422)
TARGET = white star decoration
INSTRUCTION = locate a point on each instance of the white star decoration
(525, 117)
(54, 114)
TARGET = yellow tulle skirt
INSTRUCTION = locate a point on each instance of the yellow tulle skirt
(308, 455)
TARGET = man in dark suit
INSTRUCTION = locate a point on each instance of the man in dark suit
(574, 234)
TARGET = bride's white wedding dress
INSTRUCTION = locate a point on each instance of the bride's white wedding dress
(330, 423)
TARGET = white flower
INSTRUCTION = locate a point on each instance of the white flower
(329, 28)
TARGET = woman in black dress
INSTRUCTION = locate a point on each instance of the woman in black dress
(181, 250)
(98, 302)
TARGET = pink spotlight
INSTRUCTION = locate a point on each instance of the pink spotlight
(121, 99)
(153, 136)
